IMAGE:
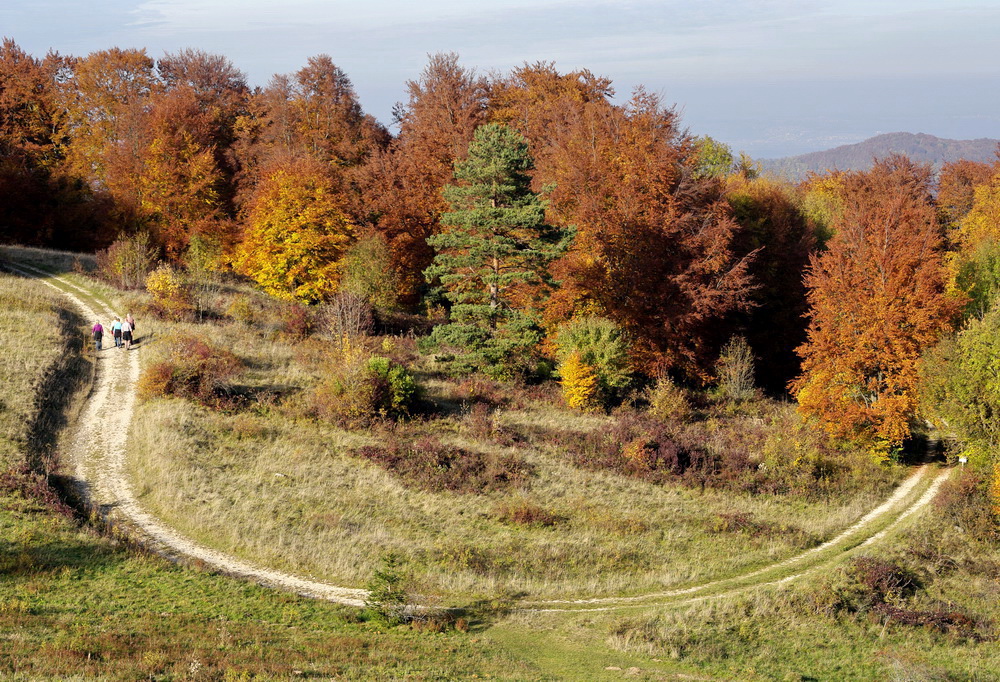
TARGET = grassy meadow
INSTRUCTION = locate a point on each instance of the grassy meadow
(263, 478)
(258, 473)
(75, 604)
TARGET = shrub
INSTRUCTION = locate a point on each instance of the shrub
(744, 523)
(642, 448)
(348, 315)
(171, 297)
(601, 344)
(367, 272)
(297, 320)
(964, 500)
(482, 423)
(128, 261)
(193, 368)
(525, 513)
(479, 389)
(357, 393)
(735, 370)
(241, 310)
(877, 581)
(668, 401)
(401, 388)
(429, 464)
(579, 383)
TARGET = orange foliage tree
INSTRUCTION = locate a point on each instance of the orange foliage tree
(178, 181)
(877, 301)
(956, 188)
(654, 246)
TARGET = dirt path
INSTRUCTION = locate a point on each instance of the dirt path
(95, 450)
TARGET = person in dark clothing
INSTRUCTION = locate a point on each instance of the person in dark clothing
(98, 331)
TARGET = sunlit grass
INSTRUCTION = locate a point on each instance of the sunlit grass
(276, 487)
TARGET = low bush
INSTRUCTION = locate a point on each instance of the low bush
(964, 501)
(359, 393)
(432, 465)
(242, 310)
(128, 261)
(735, 371)
(171, 297)
(602, 347)
(297, 320)
(477, 388)
(528, 514)
(192, 368)
(637, 446)
(744, 523)
(483, 423)
(873, 582)
(668, 401)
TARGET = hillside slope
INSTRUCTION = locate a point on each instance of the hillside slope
(920, 147)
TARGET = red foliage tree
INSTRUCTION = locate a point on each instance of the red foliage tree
(653, 249)
(401, 186)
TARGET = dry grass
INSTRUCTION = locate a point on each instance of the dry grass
(34, 348)
(942, 622)
(289, 492)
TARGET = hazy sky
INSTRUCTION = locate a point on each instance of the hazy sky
(771, 77)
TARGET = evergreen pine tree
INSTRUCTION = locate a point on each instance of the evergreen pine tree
(492, 260)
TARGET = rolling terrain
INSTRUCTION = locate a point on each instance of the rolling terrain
(920, 147)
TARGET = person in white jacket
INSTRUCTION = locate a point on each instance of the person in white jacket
(127, 334)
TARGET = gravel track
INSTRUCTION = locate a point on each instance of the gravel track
(96, 447)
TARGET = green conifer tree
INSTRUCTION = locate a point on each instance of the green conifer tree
(493, 257)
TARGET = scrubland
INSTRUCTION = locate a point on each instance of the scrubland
(254, 471)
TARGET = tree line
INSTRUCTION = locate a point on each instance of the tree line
(510, 206)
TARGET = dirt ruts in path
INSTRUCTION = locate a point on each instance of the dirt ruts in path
(96, 451)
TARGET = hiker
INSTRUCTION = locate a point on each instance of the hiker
(131, 321)
(127, 334)
(116, 331)
(98, 331)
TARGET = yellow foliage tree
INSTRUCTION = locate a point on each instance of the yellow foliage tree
(579, 382)
(974, 265)
(296, 235)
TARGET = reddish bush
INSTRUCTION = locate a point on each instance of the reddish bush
(878, 581)
(297, 320)
(193, 368)
(942, 620)
(477, 389)
(429, 464)
(482, 423)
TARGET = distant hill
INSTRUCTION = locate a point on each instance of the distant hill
(922, 148)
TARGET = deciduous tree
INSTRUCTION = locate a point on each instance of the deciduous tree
(296, 234)
(876, 302)
(401, 186)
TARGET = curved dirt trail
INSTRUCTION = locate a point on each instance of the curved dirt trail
(95, 448)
